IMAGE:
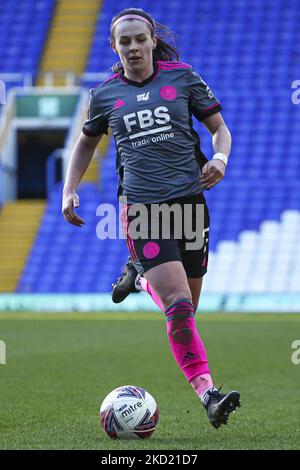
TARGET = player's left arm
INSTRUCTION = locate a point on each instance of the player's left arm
(214, 170)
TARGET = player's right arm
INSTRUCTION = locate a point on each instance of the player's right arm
(80, 158)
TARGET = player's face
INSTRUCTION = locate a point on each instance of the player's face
(134, 44)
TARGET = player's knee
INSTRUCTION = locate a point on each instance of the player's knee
(173, 295)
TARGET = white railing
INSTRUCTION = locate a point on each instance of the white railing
(25, 78)
(48, 78)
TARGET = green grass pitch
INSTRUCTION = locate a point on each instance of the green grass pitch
(61, 366)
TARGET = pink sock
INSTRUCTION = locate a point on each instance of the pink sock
(185, 342)
(145, 285)
(201, 384)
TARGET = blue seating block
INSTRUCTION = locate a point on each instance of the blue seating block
(22, 38)
(249, 58)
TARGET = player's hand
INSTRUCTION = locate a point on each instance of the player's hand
(212, 172)
(69, 202)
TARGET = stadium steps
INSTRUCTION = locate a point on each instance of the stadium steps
(70, 37)
(19, 222)
(68, 46)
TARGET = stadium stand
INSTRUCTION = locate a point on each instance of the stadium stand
(24, 29)
(21, 47)
(249, 57)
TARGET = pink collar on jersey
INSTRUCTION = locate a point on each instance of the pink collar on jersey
(131, 17)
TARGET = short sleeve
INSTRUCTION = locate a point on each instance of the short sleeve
(96, 124)
(203, 102)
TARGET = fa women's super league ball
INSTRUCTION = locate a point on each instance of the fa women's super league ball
(129, 412)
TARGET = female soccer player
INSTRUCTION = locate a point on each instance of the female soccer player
(148, 104)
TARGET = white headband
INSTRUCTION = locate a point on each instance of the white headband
(132, 17)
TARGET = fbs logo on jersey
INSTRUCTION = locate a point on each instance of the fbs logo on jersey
(144, 119)
(143, 97)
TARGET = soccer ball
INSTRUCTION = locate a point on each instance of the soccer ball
(129, 412)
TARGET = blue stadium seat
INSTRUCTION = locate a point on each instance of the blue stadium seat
(218, 38)
(23, 51)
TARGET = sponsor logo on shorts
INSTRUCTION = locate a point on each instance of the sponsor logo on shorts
(151, 250)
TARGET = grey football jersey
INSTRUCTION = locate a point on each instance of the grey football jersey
(153, 130)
